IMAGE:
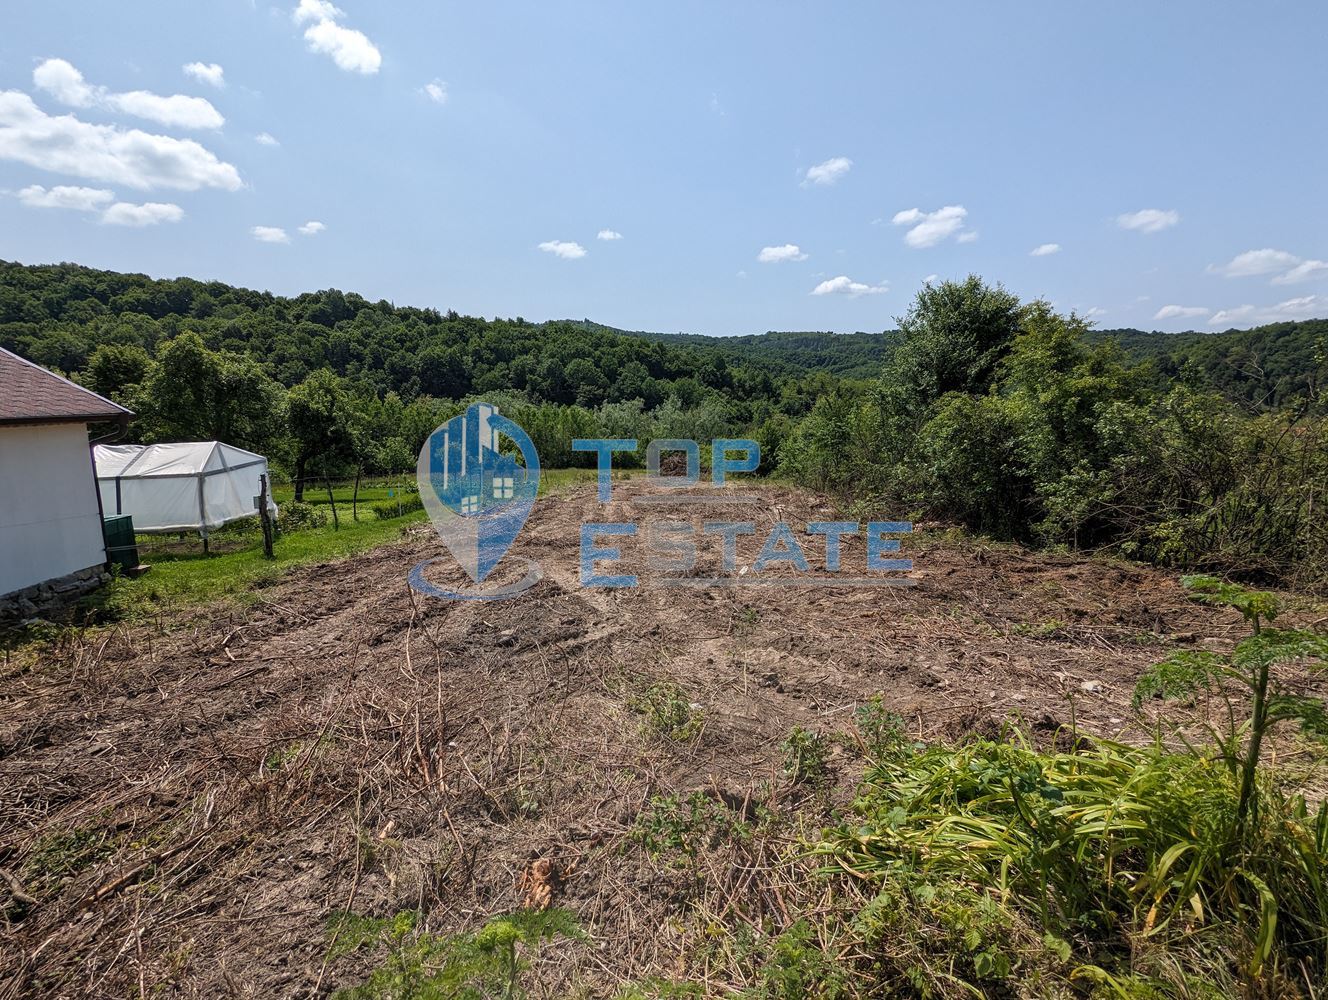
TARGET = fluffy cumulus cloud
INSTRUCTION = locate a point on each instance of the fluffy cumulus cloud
(436, 91)
(82, 199)
(608, 234)
(65, 83)
(312, 228)
(64, 144)
(1045, 250)
(351, 50)
(209, 73)
(1306, 270)
(266, 139)
(778, 255)
(563, 249)
(1180, 312)
(844, 285)
(1149, 220)
(1304, 307)
(148, 214)
(1286, 268)
(926, 229)
(828, 172)
(269, 234)
(78, 199)
(1253, 263)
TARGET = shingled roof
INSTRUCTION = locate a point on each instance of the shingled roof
(29, 394)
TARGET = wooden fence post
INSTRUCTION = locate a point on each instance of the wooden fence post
(264, 517)
(336, 522)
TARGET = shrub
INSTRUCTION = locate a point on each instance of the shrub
(297, 516)
(668, 712)
(397, 507)
(806, 754)
(1107, 848)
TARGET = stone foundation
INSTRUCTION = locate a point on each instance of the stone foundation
(46, 598)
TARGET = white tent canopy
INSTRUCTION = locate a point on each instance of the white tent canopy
(190, 486)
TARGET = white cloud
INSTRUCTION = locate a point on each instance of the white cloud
(1304, 307)
(777, 255)
(66, 84)
(1149, 220)
(351, 50)
(967, 236)
(1093, 312)
(312, 228)
(150, 213)
(1180, 312)
(316, 10)
(436, 91)
(266, 139)
(269, 234)
(1045, 250)
(65, 145)
(828, 172)
(1306, 270)
(1252, 263)
(608, 234)
(1255, 263)
(844, 285)
(206, 73)
(79, 199)
(929, 228)
(931, 279)
(563, 249)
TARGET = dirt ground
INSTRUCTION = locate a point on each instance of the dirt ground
(182, 808)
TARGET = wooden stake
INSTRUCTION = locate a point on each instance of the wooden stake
(264, 517)
(336, 522)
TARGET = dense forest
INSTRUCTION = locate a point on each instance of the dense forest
(1188, 449)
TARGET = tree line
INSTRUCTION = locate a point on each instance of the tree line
(1001, 415)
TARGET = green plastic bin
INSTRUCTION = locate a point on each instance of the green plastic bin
(118, 529)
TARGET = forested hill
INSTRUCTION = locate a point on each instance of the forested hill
(58, 315)
(1266, 367)
(848, 355)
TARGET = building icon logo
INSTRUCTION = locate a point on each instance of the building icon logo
(478, 497)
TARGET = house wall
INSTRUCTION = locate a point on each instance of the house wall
(50, 526)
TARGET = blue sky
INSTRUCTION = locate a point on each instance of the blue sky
(766, 165)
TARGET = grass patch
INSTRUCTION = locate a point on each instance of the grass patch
(489, 963)
(182, 576)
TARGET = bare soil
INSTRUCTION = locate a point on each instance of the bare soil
(182, 808)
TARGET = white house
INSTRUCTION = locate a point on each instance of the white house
(51, 542)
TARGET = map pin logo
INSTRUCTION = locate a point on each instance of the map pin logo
(477, 497)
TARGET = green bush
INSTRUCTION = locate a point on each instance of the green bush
(1107, 849)
(297, 516)
(397, 507)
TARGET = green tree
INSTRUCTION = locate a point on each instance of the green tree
(194, 394)
(117, 370)
(325, 426)
(951, 340)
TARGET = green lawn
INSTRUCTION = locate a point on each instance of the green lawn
(182, 576)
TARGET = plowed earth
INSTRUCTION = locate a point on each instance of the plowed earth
(182, 808)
